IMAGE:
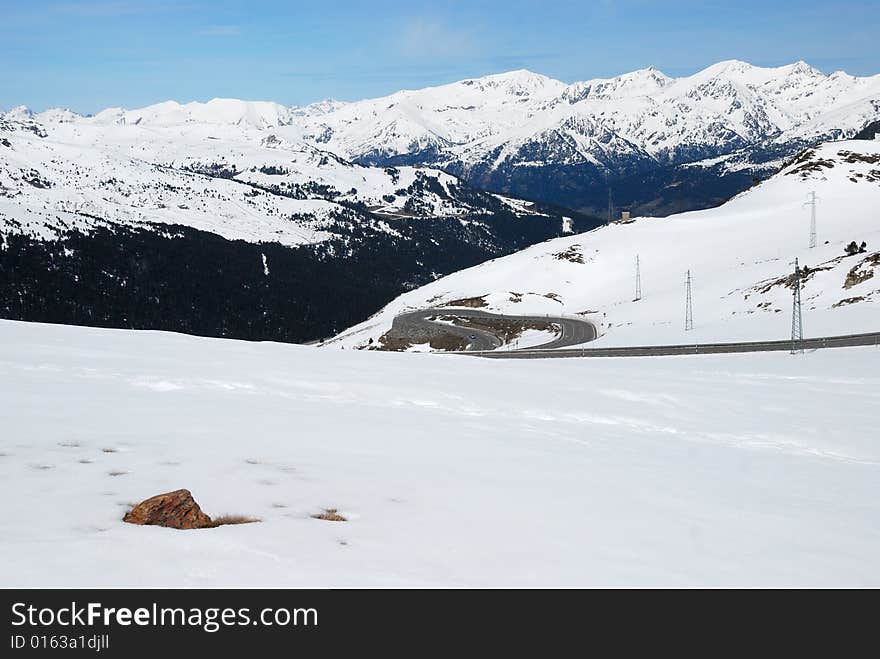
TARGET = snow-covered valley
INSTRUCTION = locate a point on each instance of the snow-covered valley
(730, 470)
(227, 230)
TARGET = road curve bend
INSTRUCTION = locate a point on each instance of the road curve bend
(418, 324)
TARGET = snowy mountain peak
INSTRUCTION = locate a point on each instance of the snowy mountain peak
(19, 113)
(642, 82)
(217, 111)
(518, 77)
(319, 108)
(520, 82)
(751, 75)
(734, 65)
(801, 67)
(58, 116)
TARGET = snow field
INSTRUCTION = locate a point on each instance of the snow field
(744, 470)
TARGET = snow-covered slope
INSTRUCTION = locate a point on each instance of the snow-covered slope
(737, 470)
(199, 168)
(740, 256)
(204, 219)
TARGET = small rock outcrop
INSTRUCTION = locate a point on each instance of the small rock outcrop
(176, 510)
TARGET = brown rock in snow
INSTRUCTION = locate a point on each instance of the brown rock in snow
(176, 510)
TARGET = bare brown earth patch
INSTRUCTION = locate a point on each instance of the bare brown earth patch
(448, 342)
(441, 341)
(226, 520)
(849, 300)
(507, 330)
(392, 343)
(330, 515)
(471, 302)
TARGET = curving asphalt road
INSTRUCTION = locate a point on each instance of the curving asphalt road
(843, 341)
(418, 325)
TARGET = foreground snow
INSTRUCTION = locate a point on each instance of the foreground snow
(758, 469)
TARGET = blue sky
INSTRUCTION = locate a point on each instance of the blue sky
(91, 54)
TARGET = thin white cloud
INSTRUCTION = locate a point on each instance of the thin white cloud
(108, 8)
(433, 38)
(220, 31)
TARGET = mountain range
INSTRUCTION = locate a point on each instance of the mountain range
(657, 144)
(258, 220)
(228, 230)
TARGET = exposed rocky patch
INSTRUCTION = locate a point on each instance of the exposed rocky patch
(440, 341)
(807, 164)
(851, 157)
(862, 272)
(176, 510)
(806, 273)
(507, 330)
(471, 302)
(849, 300)
(572, 254)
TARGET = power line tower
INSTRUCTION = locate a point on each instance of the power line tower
(811, 202)
(610, 207)
(689, 306)
(638, 281)
(797, 325)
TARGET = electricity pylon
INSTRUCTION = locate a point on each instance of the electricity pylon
(638, 281)
(610, 207)
(797, 325)
(689, 306)
(811, 202)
